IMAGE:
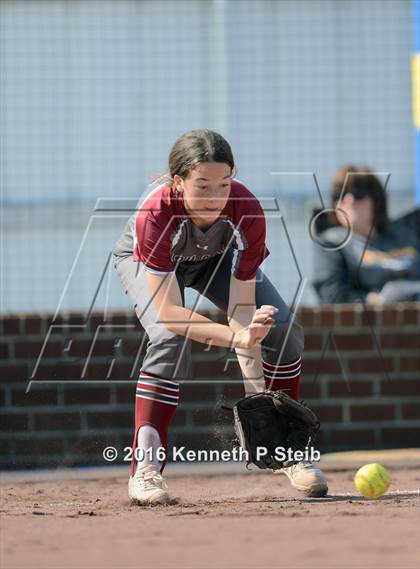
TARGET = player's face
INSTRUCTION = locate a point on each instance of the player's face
(206, 191)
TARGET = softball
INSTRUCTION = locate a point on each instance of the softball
(372, 480)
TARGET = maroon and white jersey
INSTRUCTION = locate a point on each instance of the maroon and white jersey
(163, 233)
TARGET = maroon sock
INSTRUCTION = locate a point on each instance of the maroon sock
(156, 402)
(284, 376)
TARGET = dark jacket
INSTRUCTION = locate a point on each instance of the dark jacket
(347, 270)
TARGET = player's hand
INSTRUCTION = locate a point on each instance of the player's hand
(257, 330)
(374, 298)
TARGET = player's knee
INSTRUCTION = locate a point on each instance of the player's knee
(169, 357)
(288, 339)
(295, 343)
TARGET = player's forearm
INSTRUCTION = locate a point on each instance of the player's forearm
(252, 370)
(249, 359)
(195, 326)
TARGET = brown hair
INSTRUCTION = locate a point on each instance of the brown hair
(198, 146)
(361, 182)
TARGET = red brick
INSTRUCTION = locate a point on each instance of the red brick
(76, 318)
(321, 438)
(36, 395)
(10, 325)
(401, 340)
(372, 412)
(17, 373)
(328, 413)
(131, 346)
(410, 315)
(348, 316)
(97, 371)
(369, 317)
(132, 319)
(306, 317)
(122, 371)
(376, 364)
(233, 391)
(327, 317)
(318, 365)
(33, 324)
(118, 318)
(353, 438)
(199, 441)
(5, 448)
(95, 321)
(411, 410)
(85, 395)
(313, 342)
(410, 363)
(353, 389)
(360, 341)
(204, 416)
(126, 393)
(310, 390)
(58, 321)
(56, 332)
(4, 350)
(77, 347)
(14, 422)
(32, 349)
(400, 387)
(104, 347)
(222, 416)
(400, 437)
(197, 391)
(2, 396)
(390, 316)
(39, 446)
(216, 369)
(62, 330)
(109, 419)
(93, 445)
(179, 420)
(57, 421)
(59, 372)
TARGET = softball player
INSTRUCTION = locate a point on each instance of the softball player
(199, 227)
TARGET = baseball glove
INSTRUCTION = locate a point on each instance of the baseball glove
(272, 420)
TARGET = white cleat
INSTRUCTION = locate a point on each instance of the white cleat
(147, 487)
(306, 477)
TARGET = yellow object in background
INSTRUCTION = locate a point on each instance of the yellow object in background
(415, 80)
(372, 480)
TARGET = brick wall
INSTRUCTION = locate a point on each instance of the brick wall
(66, 391)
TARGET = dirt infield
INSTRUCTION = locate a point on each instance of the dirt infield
(253, 519)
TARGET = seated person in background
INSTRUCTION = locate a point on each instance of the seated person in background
(378, 261)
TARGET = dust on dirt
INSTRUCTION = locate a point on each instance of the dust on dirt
(254, 519)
